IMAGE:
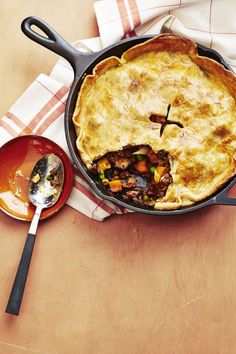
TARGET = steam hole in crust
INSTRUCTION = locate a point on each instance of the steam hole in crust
(163, 120)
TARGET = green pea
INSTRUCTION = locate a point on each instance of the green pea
(49, 177)
(102, 176)
(145, 198)
(152, 169)
(140, 157)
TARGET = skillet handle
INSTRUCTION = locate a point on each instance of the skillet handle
(223, 199)
(53, 41)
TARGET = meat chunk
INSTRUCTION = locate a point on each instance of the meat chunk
(123, 163)
(120, 159)
(124, 174)
(133, 194)
(130, 183)
(166, 179)
(162, 158)
(153, 157)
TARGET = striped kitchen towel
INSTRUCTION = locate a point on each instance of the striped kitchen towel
(40, 109)
(208, 22)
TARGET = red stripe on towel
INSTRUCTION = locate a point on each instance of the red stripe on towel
(50, 119)
(134, 12)
(8, 128)
(123, 16)
(46, 108)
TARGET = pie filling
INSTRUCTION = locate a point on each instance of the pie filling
(136, 174)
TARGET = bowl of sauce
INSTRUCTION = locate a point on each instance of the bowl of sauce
(18, 157)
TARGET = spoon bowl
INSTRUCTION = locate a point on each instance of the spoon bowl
(46, 181)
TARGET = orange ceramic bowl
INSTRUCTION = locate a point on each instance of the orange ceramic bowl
(18, 157)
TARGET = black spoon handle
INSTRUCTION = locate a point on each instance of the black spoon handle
(14, 302)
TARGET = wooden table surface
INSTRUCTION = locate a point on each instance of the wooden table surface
(134, 284)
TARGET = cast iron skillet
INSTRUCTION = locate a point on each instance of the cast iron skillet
(82, 65)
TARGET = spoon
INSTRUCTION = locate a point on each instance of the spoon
(45, 186)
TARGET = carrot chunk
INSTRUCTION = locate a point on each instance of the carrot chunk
(142, 166)
(115, 185)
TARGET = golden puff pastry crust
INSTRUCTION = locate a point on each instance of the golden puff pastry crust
(163, 74)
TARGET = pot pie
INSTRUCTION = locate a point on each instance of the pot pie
(157, 127)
